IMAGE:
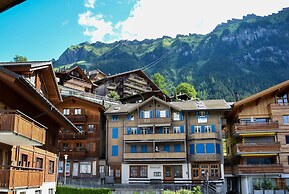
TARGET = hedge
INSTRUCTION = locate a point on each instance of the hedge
(70, 190)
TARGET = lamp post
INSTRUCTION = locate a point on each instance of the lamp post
(65, 160)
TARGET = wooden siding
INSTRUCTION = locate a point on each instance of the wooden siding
(258, 169)
(257, 148)
(154, 156)
(205, 157)
(255, 127)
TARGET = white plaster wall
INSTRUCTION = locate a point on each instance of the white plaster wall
(44, 188)
(94, 168)
(124, 173)
(244, 185)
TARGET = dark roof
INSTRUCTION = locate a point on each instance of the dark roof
(7, 4)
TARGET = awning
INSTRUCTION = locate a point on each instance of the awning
(163, 125)
(258, 134)
(256, 154)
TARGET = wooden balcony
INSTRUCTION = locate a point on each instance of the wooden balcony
(278, 107)
(74, 153)
(111, 86)
(205, 157)
(194, 136)
(153, 121)
(137, 79)
(167, 156)
(257, 148)
(71, 136)
(78, 82)
(255, 127)
(137, 86)
(82, 118)
(19, 177)
(17, 128)
(146, 137)
(258, 169)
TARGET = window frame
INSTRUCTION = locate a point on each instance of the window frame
(77, 111)
(139, 171)
(51, 166)
(66, 111)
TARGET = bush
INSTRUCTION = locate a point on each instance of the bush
(70, 190)
(196, 190)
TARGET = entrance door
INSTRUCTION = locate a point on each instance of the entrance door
(168, 174)
(75, 169)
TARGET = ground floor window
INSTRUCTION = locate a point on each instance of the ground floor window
(214, 170)
(50, 191)
(263, 183)
(138, 171)
(177, 171)
(195, 171)
(202, 170)
(85, 167)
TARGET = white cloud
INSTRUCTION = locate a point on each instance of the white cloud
(155, 18)
(89, 3)
(65, 22)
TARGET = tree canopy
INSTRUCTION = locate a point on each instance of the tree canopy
(19, 58)
(160, 81)
(186, 88)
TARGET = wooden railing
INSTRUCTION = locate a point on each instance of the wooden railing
(155, 156)
(79, 82)
(66, 136)
(164, 120)
(165, 136)
(138, 80)
(20, 124)
(250, 127)
(257, 169)
(16, 177)
(77, 118)
(137, 86)
(205, 157)
(241, 148)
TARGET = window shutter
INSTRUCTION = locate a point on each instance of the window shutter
(192, 148)
(133, 149)
(128, 117)
(181, 116)
(200, 148)
(197, 114)
(182, 127)
(149, 131)
(157, 113)
(128, 130)
(210, 148)
(151, 114)
(218, 148)
(192, 129)
(141, 114)
(177, 148)
(213, 128)
(167, 148)
(167, 113)
(207, 113)
(114, 133)
(114, 150)
(138, 130)
(144, 148)
(203, 129)
(161, 130)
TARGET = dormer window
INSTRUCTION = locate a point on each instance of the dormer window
(282, 99)
(66, 111)
(178, 116)
(77, 111)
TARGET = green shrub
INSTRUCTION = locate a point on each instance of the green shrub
(196, 190)
(70, 190)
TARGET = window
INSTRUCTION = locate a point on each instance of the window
(177, 148)
(197, 129)
(147, 114)
(78, 146)
(195, 170)
(177, 130)
(117, 173)
(130, 117)
(133, 149)
(166, 130)
(60, 166)
(114, 118)
(65, 147)
(202, 114)
(51, 167)
(77, 111)
(138, 171)
(204, 170)
(283, 99)
(192, 148)
(90, 128)
(208, 129)
(90, 146)
(144, 130)
(285, 119)
(259, 161)
(38, 192)
(85, 167)
(39, 163)
(200, 148)
(177, 171)
(176, 116)
(114, 150)
(101, 169)
(214, 170)
(210, 148)
(144, 148)
(79, 127)
(114, 133)
(133, 130)
(66, 111)
(50, 191)
(287, 139)
(167, 148)
(24, 160)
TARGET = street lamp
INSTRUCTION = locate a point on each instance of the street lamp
(65, 160)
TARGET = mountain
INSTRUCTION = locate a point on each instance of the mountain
(245, 55)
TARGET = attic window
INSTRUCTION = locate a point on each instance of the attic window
(282, 99)
(116, 108)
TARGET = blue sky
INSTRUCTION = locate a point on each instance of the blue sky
(43, 29)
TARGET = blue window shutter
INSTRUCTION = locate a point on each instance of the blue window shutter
(114, 117)
(149, 131)
(181, 116)
(114, 133)
(114, 151)
(133, 149)
(218, 148)
(177, 148)
(128, 130)
(167, 148)
(144, 148)
(182, 127)
(213, 128)
(207, 113)
(128, 117)
(151, 114)
(167, 113)
(138, 130)
(197, 114)
(161, 130)
(141, 114)
(157, 113)
(210, 148)
(203, 129)
(192, 148)
(200, 148)
(192, 129)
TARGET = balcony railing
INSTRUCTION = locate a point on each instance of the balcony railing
(77, 118)
(66, 136)
(74, 153)
(138, 80)
(111, 86)
(205, 157)
(146, 137)
(203, 136)
(249, 127)
(165, 120)
(19, 177)
(20, 129)
(257, 148)
(155, 156)
(137, 86)
(258, 169)
(79, 82)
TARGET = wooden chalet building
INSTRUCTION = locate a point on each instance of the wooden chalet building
(167, 142)
(257, 134)
(85, 150)
(29, 127)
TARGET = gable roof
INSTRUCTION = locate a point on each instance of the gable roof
(277, 89)
(202, 105)
(79, 70)
(91, 103)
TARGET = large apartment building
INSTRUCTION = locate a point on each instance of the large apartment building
(86, 149)
(29, 126)
(168, 142)
(258, 141)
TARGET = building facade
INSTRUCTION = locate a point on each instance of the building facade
(29, 126)
(84, 149)
(257, 141)
(166, 142)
